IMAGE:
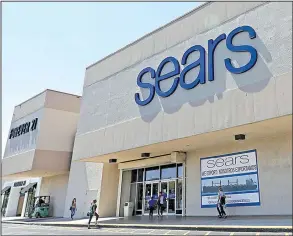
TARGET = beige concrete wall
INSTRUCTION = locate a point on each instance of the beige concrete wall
(31, 105)
(274, 156)
(58, 130)
(51, 162)
(202, 19)
(55, 187)
(48, 149)
(125, 191)
(109, 190)
(109, 113)
(11, 164)
(62, 101)
(84, 185)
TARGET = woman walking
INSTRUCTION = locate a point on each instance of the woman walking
(73, 207)
(92, 212)
(221, 203)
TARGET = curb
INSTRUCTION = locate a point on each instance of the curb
(172, 227)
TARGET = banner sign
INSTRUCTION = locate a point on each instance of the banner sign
(237, 173)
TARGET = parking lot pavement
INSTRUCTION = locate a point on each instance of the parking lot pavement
(18, 229)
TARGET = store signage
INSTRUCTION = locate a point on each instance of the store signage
(236, 173)
(201, 78)
(19, 184)
(23, 128)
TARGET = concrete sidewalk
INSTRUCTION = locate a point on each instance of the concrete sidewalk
(232, 223)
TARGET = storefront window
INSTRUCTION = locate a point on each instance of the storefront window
(179, 170)
(168, 172)
(132, 192)
(179, 194)
(133, 176)
(152, 173)
(140, 175)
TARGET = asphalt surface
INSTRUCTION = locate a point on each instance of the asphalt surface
(21, 229)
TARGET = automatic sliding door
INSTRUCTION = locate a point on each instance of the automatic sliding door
(171, 197)
(155, 194)
(164, 190)
(148, 194)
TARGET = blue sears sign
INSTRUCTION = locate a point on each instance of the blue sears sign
(201, 78)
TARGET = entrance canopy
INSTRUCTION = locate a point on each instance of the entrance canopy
(28, 187)
(7, 188)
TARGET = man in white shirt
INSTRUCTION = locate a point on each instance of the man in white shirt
(161, 204)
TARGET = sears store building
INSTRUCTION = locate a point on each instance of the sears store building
(202, 102)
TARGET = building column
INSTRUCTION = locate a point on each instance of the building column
(119, 193)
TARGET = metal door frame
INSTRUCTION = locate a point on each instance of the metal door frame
(144, 188)
(168, 188)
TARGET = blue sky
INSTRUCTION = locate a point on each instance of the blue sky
(49, 45)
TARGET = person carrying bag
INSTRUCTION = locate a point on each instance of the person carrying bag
(92, 212)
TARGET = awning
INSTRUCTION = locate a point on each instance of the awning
(5, 189)
(28, 187)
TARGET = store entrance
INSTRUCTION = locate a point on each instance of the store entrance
(151, 190)
(149, 182)
(168, 188)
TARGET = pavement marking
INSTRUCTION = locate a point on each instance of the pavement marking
(151, 231)
(187, 233)
(159, 232)
(232, 233)
(208, 233)
(257, 233)
(167, 232)
(176, 232)
(142, 231)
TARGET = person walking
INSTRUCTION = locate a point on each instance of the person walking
(152, 204)
(162, 203)
(93, 212)
(221, 203)
(73, 207)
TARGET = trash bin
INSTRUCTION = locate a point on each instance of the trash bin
(128, 209)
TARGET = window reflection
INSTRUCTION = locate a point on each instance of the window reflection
(179, 194)
(180, 170)
(140, 175)
(133, 176)
(152, 173)
(168, 172)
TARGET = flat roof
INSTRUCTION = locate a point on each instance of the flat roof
(52, 90)
(152, 32)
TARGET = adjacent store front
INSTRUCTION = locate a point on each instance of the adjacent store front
(38, 152)
(18, 197)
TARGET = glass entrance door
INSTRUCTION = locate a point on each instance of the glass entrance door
(168, 188)
(151, 190)
(171, 197)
